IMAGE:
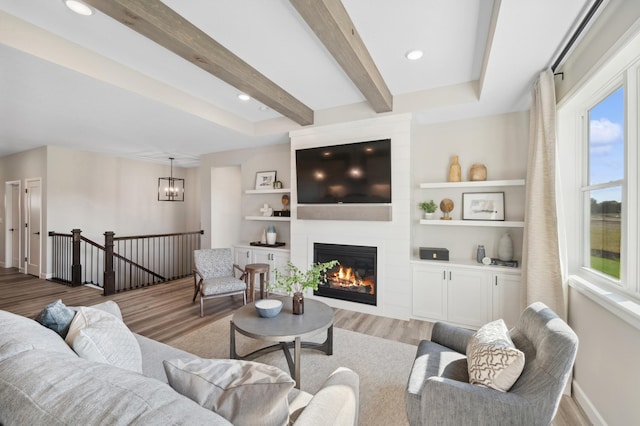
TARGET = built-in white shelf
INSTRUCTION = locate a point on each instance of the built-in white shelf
(483, 223)
(473, 184)
(269, 218)
(268, 191)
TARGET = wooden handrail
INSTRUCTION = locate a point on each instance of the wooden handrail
(134, 269)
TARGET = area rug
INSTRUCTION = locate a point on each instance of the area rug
(383, 365)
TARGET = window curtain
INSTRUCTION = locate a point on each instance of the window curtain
(542, 271)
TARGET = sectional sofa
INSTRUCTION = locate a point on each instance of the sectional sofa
(44, 380)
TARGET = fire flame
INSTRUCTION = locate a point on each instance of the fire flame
(347, 277)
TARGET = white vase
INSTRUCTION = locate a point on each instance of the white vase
(505, 248)
(271, 238)
(428, 216)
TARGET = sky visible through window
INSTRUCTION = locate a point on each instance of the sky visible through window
(606, 145)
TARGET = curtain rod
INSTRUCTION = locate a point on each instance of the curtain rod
(583, 24)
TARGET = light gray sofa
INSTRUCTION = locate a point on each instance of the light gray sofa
(439, 392)
(44, 382)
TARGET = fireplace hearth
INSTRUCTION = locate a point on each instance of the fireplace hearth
(354, 278)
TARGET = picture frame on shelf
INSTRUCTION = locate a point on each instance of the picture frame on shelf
(483, 206)
(265, 180)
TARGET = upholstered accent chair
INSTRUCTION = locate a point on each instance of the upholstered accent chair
(439, 392)
(214, 275)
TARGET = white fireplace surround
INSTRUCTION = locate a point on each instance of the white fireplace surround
(391, 238)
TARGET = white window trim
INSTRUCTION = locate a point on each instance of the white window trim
(621, 300)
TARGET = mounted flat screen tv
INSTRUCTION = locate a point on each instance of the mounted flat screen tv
(354, 173)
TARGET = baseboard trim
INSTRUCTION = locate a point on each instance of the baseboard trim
(585, 403)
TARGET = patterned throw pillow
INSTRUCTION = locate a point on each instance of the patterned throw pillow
(57, 317)
(492, 358)
(243, 392)
(99, 336)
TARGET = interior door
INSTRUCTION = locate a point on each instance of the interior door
(15, 226)
(33, 206)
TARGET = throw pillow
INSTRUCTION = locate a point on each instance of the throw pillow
(57, 317)
(243, 392)
(109, 306)
(99, 336)
(492, 358)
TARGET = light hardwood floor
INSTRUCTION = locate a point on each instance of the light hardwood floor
(165, 311)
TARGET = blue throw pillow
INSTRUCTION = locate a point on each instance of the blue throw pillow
(57, 317)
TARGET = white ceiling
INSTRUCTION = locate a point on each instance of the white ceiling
(91, 83)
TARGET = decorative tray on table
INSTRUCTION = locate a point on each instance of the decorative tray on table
(259, 244)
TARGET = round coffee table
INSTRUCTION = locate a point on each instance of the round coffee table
(286, 329)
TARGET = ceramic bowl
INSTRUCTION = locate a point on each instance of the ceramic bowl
(268, 308)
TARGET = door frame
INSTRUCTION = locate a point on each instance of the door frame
(8, 216)
(28, 229)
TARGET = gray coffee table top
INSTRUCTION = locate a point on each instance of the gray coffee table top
(284, 327)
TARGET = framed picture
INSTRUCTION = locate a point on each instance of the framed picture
(264, 180)
(483, 205)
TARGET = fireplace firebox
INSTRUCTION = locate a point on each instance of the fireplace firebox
(354, 278)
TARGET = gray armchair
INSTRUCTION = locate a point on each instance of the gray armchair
(439, 392)
(214, 276)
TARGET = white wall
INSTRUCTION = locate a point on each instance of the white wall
(499, 142)
(99, 193)
(226, 205)
(607, 369)
(250, 161)
(617, 22)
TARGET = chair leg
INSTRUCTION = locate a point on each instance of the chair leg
(244, 298)
(201, 306)
(195, 288)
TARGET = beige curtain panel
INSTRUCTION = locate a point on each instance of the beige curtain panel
(542, 274)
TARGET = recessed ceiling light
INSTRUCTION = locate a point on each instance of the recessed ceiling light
(78, 7)
(414, 55)
(244, 97)
(263, 108)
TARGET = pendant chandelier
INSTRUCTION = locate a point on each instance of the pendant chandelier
(170, 188)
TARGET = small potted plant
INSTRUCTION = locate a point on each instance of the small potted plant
(296, 281)
(429, 208)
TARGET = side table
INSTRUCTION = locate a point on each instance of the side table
(252, 269)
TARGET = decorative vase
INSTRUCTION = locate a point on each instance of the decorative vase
(271, 235)
(428, 216)
(263, 239)
(271, 238)
(298, 303)
(478, 172)
(480, 253)
(454, 170)
(505, 248)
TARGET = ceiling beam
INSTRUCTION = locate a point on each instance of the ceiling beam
(333, 26)
(154, 20)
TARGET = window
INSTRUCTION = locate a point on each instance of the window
(603, 189)
(598, 132)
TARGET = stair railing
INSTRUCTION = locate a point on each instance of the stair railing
(122, 263)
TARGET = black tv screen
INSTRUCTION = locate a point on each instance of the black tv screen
(352, 173)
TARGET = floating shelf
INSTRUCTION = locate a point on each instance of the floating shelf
(268, 191)
(474, 184)
(483, 223)
(269, 218)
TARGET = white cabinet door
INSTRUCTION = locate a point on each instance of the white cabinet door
(469, 297)
(429, 292)
(506, 298)
(275, 259)
(261, 256)
(279, 261)
(242, 256)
